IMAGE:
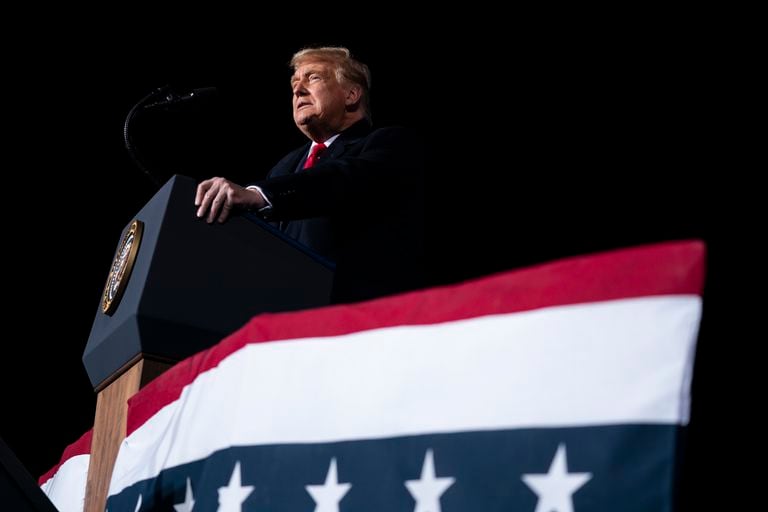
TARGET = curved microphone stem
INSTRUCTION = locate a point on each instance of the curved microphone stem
(128, 140)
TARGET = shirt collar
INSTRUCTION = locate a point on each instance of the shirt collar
(326, 142)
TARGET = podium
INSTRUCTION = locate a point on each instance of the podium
(178, 285)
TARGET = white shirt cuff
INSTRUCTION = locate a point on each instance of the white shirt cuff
(268, 205)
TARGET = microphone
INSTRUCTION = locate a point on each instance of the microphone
(167, 98)
(171, 97)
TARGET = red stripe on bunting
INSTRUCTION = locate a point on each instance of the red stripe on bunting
(671, 268)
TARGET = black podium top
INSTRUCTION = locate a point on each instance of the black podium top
(179, 285)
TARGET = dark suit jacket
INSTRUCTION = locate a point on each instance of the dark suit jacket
(361, 205)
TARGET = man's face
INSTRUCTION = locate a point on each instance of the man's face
(318, 98)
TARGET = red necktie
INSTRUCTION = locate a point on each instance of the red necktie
(314, 155)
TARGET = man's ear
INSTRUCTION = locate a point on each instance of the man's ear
(354, 94)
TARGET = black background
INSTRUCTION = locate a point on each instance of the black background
(543, 144)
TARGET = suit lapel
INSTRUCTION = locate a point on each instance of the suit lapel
(348, 137)
(301, 157)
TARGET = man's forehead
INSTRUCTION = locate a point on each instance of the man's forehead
(312, 65)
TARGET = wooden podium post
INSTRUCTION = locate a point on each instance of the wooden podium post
(109, 427)
(177, 286)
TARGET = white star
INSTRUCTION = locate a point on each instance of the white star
(428, 489)
(189, 500)
(232, 496)
(328, 495)
(555, 488)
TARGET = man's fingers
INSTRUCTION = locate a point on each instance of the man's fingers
(215, 199)
(202, 188)
(213, 210)
(225, 211)
(205, 203)
(207, 192)
(216, 205)
(203, 206)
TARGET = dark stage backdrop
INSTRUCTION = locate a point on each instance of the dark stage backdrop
(539, 148)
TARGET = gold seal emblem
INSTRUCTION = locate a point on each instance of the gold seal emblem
(121, 267)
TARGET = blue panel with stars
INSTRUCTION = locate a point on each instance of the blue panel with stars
(624, 467)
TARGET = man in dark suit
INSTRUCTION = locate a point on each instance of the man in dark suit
(353, 194)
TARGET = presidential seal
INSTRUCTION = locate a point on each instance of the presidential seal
(121, 267)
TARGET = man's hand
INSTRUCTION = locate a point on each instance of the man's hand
(217, 197)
